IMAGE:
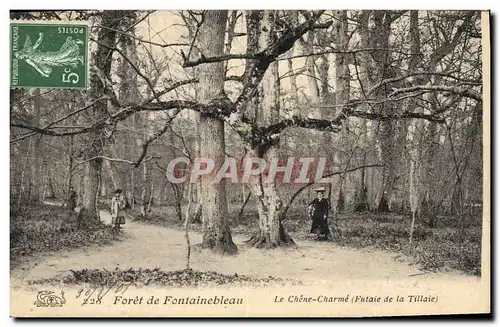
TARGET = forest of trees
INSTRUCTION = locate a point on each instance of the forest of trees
(392, 99)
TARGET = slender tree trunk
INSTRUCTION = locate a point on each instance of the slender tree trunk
(131, 193)
(178, 199)
(197, 216)
(253, 18)
(69, 173)
(312, 82)
(367, 189)
(111, 171)
(186, 228)
(36, 177)
(293, 81)
(240, 214)
(414, 131)
(216, 233)
(342, 88)
(22, 187)
(412, 227)
(145, 190)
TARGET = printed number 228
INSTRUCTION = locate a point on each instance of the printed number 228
(71, 77)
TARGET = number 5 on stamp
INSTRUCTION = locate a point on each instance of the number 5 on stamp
(49, 55)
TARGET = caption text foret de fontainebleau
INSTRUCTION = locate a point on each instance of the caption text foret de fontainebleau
(225, 300)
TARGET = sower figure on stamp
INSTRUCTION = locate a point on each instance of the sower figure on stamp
(117, 207)
(318, 211)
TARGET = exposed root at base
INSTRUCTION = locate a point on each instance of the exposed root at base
(225, 248)
(262, 240)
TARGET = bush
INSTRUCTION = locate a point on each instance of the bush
(44, 228)
(449, 252)
(433, 248)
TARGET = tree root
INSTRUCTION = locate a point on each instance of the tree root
(222, 245)
(262, 240)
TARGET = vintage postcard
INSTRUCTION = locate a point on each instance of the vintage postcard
(249, 163)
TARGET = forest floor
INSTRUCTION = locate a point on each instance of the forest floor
(149, 246)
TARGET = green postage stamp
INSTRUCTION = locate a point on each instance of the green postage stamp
(49, 55)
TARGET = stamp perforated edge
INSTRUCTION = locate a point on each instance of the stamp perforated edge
(51, 22)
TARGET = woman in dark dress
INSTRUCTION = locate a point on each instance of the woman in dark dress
(318, 211)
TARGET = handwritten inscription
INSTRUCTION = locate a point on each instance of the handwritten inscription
(96, 294)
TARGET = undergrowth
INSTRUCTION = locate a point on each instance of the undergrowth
(44, 228)
(157, 277)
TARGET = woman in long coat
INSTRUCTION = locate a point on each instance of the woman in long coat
(318, 211)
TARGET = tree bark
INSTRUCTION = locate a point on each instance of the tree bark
(271, 232)
(414, 130)
(102, 59)
(216, 233)
(366, 192)
(145, 190)
(36, 178)
(196, 217)
(69, 172)
(342, 90)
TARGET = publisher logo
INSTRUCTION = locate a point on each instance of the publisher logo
(49, 299)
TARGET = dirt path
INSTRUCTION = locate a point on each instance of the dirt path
(150, 246)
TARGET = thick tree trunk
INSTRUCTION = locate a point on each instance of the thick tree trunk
(271, 232)
(91, 189)
(380, 39)
(216, 233)
(102, 59)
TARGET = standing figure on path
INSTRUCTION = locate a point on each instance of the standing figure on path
(318, 211)
(117, 206)
(72, 199)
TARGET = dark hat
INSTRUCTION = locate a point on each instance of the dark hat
(320, 189)
(118, 191)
